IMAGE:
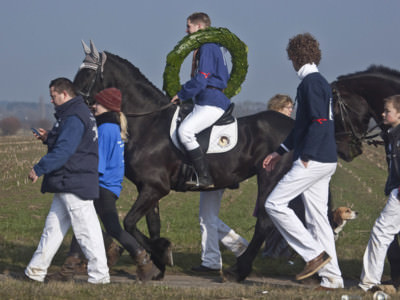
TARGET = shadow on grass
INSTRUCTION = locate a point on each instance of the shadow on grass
(15, 256)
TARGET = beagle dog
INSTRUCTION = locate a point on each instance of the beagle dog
(340, 216)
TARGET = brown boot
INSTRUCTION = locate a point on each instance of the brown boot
(145, 270)
(113, 253)
(314, 266)
(73, 265)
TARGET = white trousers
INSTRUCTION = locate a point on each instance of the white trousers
(385, 228)
(313, 183)
(214, 230)
(68, 209)
(202, 117)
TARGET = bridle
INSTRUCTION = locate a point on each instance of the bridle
(349, 129)
(99, 76)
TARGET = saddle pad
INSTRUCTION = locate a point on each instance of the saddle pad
(222, 137)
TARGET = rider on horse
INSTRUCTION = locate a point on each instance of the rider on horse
(209, 78)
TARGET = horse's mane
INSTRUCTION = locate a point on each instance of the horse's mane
(134, 71)
(373, 70)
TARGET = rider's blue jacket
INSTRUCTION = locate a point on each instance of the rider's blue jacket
(210, 78)
(313, 135)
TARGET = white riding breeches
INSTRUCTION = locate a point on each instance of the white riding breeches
(202, 117)
(385, 228)
(68, 209)
(214, 230)
(313, 183)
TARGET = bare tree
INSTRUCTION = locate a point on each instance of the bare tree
(10, 125)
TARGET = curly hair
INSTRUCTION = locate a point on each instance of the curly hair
(303, 49)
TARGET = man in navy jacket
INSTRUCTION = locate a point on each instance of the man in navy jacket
(70, 172)
(313, 142)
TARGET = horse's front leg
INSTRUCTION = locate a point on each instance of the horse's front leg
(160, 245)
(158, 248)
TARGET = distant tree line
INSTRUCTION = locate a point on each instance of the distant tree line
(20, 115)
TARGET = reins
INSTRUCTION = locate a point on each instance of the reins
(344, 109)
(139, 114)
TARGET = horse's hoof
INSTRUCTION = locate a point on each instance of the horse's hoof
(231, 274)
(168, 257)
(164, 248)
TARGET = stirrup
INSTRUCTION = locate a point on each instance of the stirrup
(196, 183)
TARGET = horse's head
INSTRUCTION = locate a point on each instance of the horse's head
(89, 79)
(352, 118)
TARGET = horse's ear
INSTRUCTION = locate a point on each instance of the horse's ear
(85, 48)
(94, 51)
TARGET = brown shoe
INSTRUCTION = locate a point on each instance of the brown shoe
(314, 266)
(146, 270)
(113, 253)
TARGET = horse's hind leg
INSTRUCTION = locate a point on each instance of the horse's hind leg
(266, 183)
(243, 266)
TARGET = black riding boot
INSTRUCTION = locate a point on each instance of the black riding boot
(199, 161)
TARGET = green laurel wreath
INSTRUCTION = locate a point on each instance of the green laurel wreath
(222, 36)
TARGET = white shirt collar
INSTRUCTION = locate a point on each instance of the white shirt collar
(307, 69)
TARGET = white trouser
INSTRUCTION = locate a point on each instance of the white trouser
(214, 230)
(313, 183)
(202, 117)
(385, 228)
(68, 209)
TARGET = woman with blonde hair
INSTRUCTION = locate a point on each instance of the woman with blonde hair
(281, 103)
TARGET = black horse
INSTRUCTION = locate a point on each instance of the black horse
(358, 98)
(154, 164)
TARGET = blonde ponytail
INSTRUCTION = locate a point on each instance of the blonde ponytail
(124, 127)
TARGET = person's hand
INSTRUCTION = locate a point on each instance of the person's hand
(270, 161)
(175, 99)
(32, 176)
(42, 134)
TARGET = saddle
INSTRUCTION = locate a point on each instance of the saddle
(219, 138)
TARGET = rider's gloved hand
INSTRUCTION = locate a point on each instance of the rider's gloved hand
(175, 99)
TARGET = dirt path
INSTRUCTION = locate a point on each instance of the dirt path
(195, 280)
(202, 281)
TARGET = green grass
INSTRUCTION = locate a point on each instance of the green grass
(23, 210)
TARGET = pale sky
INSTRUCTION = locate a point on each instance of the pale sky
(41, 40)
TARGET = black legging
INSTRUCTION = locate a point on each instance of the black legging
(393, 255)
(106, 209)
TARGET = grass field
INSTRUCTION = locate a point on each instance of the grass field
(23, 210)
